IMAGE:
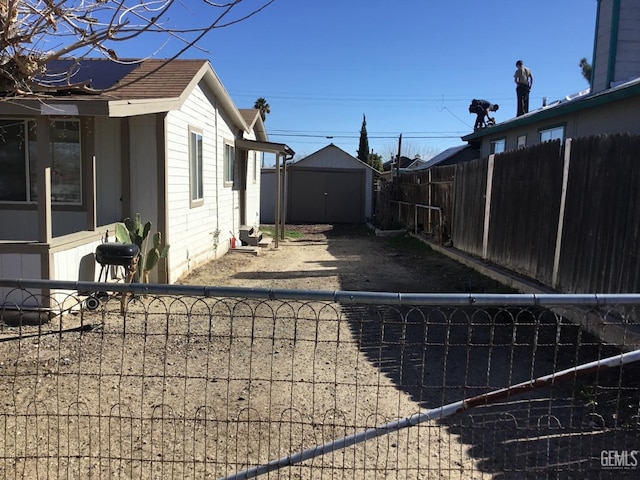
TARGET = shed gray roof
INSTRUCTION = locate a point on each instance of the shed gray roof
(442, 156)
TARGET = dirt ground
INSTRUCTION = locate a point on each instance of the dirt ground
(344, 257)
(353, 258)
(203, 388)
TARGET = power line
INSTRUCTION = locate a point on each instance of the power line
(378, 137)
(368, 98)
(350, 132)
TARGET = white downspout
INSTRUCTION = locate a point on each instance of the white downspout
(217, 162)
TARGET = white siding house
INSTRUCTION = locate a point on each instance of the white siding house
(166, 142)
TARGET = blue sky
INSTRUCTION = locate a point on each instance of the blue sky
(410, 66)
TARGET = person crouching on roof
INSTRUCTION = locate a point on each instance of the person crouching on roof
(483, 107)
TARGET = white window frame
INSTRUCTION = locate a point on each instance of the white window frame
(499, 145)
(522, 142)
(229, 163)
(196, 167)
(552, 133)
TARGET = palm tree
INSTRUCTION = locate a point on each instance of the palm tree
(585, 66)
(262, 105)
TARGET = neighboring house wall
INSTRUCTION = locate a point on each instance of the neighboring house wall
(617, 43)
(609, 106)
(614, 117)
(603, 47)
(617, 117)
(627, 58)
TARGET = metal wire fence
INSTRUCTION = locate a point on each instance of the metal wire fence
(202, 382)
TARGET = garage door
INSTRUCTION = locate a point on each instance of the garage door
(325, 196)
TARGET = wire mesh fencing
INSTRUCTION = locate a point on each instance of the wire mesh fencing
(200, 382)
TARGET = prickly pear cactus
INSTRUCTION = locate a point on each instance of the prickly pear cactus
(136, 232)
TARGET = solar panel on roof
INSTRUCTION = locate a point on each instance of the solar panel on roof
(98, 74)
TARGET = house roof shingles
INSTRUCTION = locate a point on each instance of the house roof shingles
(157, 79)
(102, 87)
(250, 115)
(132, 79)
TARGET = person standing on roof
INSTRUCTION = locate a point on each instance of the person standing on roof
(524, 81)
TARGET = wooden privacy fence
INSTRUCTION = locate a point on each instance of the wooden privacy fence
(432, 192)
(564, 214)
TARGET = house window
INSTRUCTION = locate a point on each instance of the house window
(229, 162)
(66, 175)
(195, 166)
(18, 160)
(554, 133)
(498, 146)
(15, 180)
(522, 141)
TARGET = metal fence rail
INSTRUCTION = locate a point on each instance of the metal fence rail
(204, 382)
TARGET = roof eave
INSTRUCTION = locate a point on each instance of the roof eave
(269, 147)
(54, 106)
(260, 129)
(132, 107)
(211, 78)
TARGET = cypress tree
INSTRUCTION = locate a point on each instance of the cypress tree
(363, 149)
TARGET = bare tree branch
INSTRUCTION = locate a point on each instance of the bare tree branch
(34, 33)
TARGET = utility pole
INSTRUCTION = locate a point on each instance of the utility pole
(398, 160)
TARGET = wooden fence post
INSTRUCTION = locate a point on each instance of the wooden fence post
(563, 200)
(487, 206)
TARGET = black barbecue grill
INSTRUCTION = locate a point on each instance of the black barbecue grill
(112, 254)
(118, 254)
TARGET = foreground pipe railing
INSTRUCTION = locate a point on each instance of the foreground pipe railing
(438, 413)
(337, 296)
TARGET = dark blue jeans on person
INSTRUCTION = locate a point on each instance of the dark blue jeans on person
(523, 98)
(480, 112)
